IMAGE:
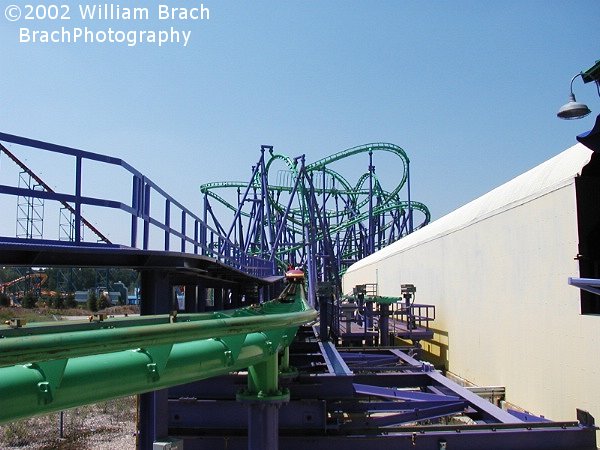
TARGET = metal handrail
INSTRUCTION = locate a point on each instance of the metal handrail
(199, 237)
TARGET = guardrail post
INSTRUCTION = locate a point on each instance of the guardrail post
(78, 199)
(183, 223)
(167, 223)
(204, 226)
(196, 236)
(146, 212)
(136, 206)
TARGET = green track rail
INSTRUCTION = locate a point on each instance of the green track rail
(54, 367)
(360, 202)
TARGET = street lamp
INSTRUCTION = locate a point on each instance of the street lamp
(573, 109)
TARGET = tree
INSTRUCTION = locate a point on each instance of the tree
(4, 299)
(29, 301)
(104, 301)
(57, 301)
(8, 274)
(92, 302)
(44, 302)
(70, 301)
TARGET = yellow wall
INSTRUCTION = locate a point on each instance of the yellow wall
(501, 295)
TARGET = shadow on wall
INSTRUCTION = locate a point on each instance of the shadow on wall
(435, 350)
(588, 223)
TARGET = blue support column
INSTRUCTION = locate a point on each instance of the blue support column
(264, 398)
(371, 236)
(410, 211)
(384, 324)
(152, 420)
(191, 298)
(325, 298)
(153, 415)
(201, 298)
(368, 316)
(263, 425)
(219, 304)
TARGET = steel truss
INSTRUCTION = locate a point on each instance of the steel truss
(336, 400)
(311, 215)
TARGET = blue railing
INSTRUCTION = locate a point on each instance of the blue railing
(192, 233)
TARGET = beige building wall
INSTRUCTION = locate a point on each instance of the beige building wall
(503, 305)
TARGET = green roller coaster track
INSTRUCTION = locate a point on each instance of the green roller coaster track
(350, 213)
(50, 367)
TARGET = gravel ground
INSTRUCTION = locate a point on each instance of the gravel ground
(102, 426)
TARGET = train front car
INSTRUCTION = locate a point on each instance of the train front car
(294, 276)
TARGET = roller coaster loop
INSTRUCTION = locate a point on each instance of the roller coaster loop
(311, 215)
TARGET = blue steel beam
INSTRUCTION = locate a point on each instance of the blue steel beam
(396, 394)
(489, 411)
(334, 360)
(587, 284)
(386, 406)
(417, 414)
(526, 417)
(559, 436)
(304, 423)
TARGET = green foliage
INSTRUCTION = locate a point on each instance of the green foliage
(92, 302)
(104, 301)
(4, 299)
(8, 274)
(29, 301)
(70, 301)
(58, 301)
(44, 302)
(29, 315)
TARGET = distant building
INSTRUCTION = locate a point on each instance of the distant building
(82, 296)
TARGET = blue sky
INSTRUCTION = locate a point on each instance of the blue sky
(469, 89)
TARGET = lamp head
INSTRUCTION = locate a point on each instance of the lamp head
(573, 109)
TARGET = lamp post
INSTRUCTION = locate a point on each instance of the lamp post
(573, 109)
